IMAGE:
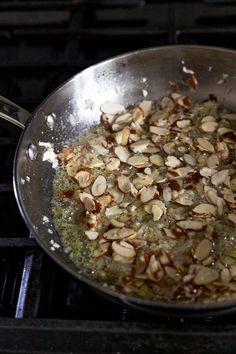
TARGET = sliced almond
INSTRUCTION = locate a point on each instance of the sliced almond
(142, 181)
(207, 172)
(118, 233)
(213, 161)
(113, 211)
(116, 223)
(172, 274)
(208, 119)
(185, 197)
(149, 205)
(113, 164)
(157, 160)
(183, 124)
(209, 127)
(189, 159)
(117, 195)
(138, 115)
(233, 184)
(205, 276)
(169, 148)
(148, 193)
(122, 153)
(124, 119)
(219, 177)
(84, 178)
(205, 145)
(232, 217)
(104, 200)
(203, 249)
(72, 167)
(89, 204)
(154, 269)
(99, 186)
(124, 260)
(172, 161)
(84, 195)
(138, 161)
(204, 210)
(223, 131)
(124, 184)
(123, 249)
(190, 225)
(181, 171)
(140, 145)
(112, 108)
(225, 275)
(92, 235)
(159, 130)
(146, 107)
(167, 194)
(157, 212)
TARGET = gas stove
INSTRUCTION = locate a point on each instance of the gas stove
(42, 43)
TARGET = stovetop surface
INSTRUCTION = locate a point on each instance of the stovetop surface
(43, 43)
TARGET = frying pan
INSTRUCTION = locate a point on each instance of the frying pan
(73, 107)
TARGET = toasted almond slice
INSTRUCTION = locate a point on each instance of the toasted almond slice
(95, 163)
(92, 235)
(205, 276)
(105, 200)
(189, 159)
(203, 249)
(233, 184)
(183, 124)
(190, 225)
(185, 198)
(123, 249)
(229, 116)
(219, 177)
(116, 127)
(148, 171)
(99, 186)
(138, 161)
(116, 223)
(157, 212)
(72, 167)
(117, 195)
(124, 119)
(159, 130)
(167, 104)
(118, 233)
(169, 148)
(84, 195)
(112, 108)
(209, 127)
(204, 210)
(107, 120)
(142, 181)
(167, 194)
(146, 107)
(220, 205)
(207, 172)
(184, 101)
(122, 153)
(148, 193)
(140, 145)
(100, 149)
(208, 119)
(157, 160)
(124, 184)
(181, 171)
(113, 211)
(124, 260)
(138, 115)
(172, 161)
(149, 205)
(225, 275)
(154, 269)
(205, 145)
(113, 164)
(213, 161)
(89, 204)
(84, 178)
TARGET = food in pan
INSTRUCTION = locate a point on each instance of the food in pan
(145, 202)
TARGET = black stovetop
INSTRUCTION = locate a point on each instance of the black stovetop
(42, 43)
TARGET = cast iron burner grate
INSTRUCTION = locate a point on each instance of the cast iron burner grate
(42, 43)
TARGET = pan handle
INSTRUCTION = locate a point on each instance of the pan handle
(12, 113)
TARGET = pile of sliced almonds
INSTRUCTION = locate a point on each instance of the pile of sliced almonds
(157, 183)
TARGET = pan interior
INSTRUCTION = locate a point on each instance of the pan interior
(74, 107)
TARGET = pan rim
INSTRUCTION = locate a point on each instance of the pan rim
(195, 308)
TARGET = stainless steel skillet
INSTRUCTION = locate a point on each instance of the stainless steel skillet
(73, 107)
